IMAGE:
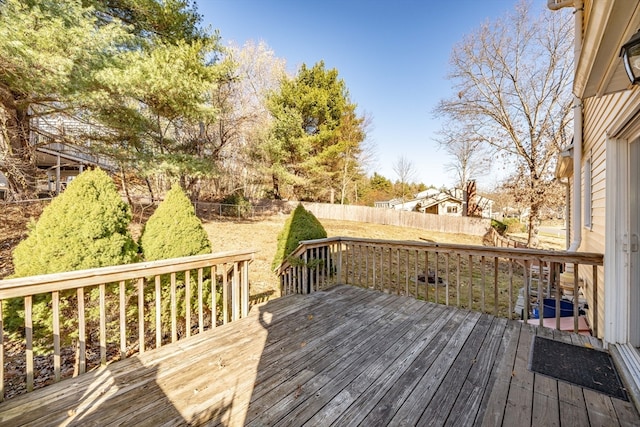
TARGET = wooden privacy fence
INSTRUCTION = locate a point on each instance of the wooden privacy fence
(121, 307)
(481, 278)
(443, 223)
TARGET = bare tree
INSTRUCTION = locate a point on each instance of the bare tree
(231, 139)
(469, 155)
(512, 81)
(406, 172)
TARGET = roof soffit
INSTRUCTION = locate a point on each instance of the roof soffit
(600, 70)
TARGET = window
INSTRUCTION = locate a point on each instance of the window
(452, 209)
(588, 193)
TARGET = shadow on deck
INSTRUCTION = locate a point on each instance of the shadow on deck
(345, 356)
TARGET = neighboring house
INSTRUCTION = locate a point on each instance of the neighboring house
(603, 171)
(448, 202)
(57, 155)
(387, 204)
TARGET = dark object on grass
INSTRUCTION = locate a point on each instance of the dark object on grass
(431, 277)
(582, 366)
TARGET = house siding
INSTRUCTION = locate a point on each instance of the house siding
(599, 116)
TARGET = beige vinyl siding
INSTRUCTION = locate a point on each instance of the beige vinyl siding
(599, 115)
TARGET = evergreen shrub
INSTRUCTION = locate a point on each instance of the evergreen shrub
(84, 227)
(301, 225)
(175, 231)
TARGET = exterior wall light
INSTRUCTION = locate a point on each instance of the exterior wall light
(630, 53)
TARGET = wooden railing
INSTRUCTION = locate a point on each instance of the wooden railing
(131, 304)
(481, 278)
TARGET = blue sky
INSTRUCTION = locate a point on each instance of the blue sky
(393, 57)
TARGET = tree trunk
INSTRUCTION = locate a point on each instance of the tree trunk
(276, 187)
(17, 155)
(534, 225)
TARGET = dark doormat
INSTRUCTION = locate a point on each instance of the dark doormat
(582, 366)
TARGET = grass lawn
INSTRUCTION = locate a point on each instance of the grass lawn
(261, 235)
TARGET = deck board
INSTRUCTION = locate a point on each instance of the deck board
(345, 356)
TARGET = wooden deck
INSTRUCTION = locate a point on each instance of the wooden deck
(346, 356)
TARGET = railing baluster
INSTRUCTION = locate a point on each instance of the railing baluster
(415, 273)
(225, 295)
(317, 267)
(158, 302)
(391, 284)
(200, 300)
(214, 296)
(55, 307)
(397, 271)
(373, 266)
(174, 309)
(382, 281)
(366, 266)
(406, 273)
(235, 298)
(82, 336)
(447, 258)
(187, 302)
(426, 275)
(141, 330)
(470, 283)
(435, 280)
(527, 283)
(540, 293)
(510, 305)
(244, 312)
(28, 333)
(458, 281)
(340, 264)
(123, 321)
(103, 324)
(495, 286)
(483, 282)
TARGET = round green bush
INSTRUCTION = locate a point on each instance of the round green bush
(84, 227)
(174, 230)
(301, 225)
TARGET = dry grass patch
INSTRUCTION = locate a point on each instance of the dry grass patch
(261, 235)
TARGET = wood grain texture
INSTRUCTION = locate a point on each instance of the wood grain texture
(343, 356)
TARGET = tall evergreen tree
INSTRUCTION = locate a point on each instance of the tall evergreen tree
(314, 126)
(137, 71)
